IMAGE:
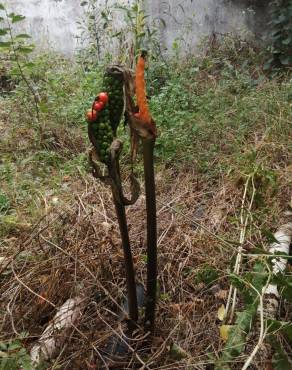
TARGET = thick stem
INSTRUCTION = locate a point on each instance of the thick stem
(129, 267)
(122, 219)
(148, 149)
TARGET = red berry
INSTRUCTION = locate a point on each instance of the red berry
(91, 115)
(98, 106)
(103, 97)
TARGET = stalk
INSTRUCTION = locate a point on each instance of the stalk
(128, 260)
(148, 158)
(123, 226)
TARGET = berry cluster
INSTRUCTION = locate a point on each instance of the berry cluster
(99, 118)
(115, 85)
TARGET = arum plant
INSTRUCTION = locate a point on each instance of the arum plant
(103, 120)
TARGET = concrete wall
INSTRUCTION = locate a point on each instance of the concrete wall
(189, 21)
(53, 23)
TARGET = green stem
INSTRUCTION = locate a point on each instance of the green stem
(148, 149)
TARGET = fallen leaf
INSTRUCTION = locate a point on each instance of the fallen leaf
(224, 331)
(221, 312)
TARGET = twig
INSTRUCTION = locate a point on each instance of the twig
(29, 289)
(243, 227)
(263, 331)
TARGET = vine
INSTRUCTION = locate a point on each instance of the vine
(280, 35)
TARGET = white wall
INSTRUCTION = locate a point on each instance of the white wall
(189, 21)
(53, 23)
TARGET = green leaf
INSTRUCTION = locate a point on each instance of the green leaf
(83, 3)
(29, 65)
(5, 44)
(16, 17)
(14, 345)
(270, 236)
(43, 107)
(25, 49)
(23, 36)
(280, 359)
(236, 338)
(284, 327)
(2, 7)
(3, 31)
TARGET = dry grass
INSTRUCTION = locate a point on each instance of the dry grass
(75, 250)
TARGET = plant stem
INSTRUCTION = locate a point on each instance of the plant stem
(130, 273)
(29, 86)
(148, 149)
(129, 266)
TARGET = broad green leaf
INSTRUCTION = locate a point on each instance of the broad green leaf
(25, 49)
(23, 36)
(16, 17)
(5, 44)
(2, 7)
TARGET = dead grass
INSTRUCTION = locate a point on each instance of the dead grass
(75, 250)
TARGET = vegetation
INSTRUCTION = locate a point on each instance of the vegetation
(223, 178)
(280, 34)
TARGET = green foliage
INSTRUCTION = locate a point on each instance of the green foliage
(103, 35)
(207, 275)
(14, 356)
(250, 286)
(280, 358)
(280, 34)
(14, 45)
(4, 203)
(276, 330)
(209, 108)
(16, 51)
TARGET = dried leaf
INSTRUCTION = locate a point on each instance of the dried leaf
(224, 331)
(221, 312)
